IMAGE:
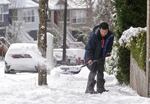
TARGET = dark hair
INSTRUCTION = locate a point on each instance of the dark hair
(104, 25)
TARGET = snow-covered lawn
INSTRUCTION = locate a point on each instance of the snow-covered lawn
(22, 88)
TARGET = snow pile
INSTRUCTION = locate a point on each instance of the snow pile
(83, 73)
(22, 88)
(128, 35)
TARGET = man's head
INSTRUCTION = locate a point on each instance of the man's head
(103, 29)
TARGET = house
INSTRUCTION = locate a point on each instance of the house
(3, 16)
(76, 14)
(25, 12)
(76, 20)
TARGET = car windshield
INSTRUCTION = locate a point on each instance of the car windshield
(21, 56)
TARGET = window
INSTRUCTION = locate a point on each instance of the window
(61, 15)
(78, 16)
(49, 16)
(29, 16)
(16, 56)
(1, 18)
(15, 15)
(3, 10)
(27, 56)
(1, 13)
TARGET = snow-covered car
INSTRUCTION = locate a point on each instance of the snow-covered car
(73, 56)
(22, 57)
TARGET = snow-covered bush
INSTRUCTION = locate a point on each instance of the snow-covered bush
(128, 36)
(135, 40)
(111, 62)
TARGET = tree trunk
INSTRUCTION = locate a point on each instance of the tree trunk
(43, 6)
(42, 40)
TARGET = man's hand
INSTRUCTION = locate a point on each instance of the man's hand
(90, 62)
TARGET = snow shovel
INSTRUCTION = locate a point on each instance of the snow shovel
(75, 69)
(70, 69)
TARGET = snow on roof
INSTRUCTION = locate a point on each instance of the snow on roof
(128, 34)
(22, 4)
(4, 2)
(23, 46)
(72, 4)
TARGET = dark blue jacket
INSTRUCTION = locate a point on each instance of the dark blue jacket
(93, 49)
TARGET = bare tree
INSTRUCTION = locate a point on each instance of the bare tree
(104, 10)
(90, 12)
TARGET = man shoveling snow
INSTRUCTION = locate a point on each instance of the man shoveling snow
(98, 47)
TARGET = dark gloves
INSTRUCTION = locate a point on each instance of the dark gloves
(92, 67)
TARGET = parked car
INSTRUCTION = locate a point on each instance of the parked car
(22, 57)
(73, 56)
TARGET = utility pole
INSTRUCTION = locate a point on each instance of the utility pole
(64, 35)
(42, 40)
(148, 49)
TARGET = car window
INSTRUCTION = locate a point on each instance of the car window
(21, 56)
(27, 56)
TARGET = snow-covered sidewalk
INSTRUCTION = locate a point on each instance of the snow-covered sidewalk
(22, 88)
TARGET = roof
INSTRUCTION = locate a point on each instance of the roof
(72, 4)
(22, 4)
(4, 2)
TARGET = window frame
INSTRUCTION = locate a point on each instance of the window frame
(29, 15)
(1, 14)
(78, 16)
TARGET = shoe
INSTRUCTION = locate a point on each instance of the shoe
(102, 90)
(90, 89)
(91, 92)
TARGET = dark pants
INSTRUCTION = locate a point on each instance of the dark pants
(96, 68)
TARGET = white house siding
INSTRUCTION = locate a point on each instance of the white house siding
(4, 2)
(29, 24)
(23, 8)
(78, 16)
(33, 25)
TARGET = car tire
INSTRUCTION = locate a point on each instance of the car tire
(6, 70)
(9, 71)
(12, 71)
